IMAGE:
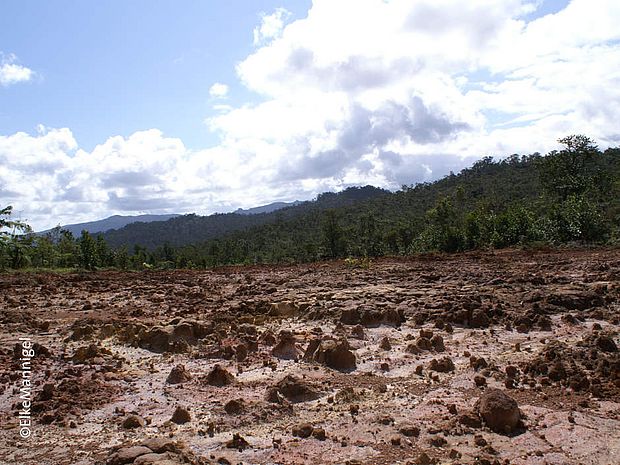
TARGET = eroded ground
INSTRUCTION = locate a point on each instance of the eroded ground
(320, 364)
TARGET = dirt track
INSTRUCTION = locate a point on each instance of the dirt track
(386, 364)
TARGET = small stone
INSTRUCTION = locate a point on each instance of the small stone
(438, 344)
(219, 376)
(303, 431)
(319, 433)
(437, 441)
(409, 430)
(180, 416)
(178, 375)
(133, 421)
(234, 407)
(442, 365)
(237, 442)
(127, 455)
(479, 440)
(499, 411)
(480, 380)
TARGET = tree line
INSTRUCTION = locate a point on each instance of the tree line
(570, 195)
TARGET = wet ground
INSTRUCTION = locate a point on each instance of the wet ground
(328, 363)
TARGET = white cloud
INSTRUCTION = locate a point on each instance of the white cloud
(271, 26)
(360, 91)
(11, 72)
(218, 90)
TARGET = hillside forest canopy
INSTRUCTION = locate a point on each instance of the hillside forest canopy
(569, 196)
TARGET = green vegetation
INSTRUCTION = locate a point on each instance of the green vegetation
(568, 196)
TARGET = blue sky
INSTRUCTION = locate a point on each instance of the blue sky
(130, 107)
(116, 67)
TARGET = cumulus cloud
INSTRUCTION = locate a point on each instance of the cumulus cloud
(11, 72)
(359, 91)
(271, 26)
(218, 90)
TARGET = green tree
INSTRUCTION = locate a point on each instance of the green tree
(88, 251)
(334, 241)
(15, 240)
(572, 170)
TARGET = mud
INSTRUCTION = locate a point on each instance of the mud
(321, 363)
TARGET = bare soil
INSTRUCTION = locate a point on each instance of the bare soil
(320, 364)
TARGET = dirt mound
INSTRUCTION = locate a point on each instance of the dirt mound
(334, 354)
(72, 396)
(178, 375)
(292, 389)
(219, 376)
(286, 347)
(369, 316)
(593, 365)
(499, 411)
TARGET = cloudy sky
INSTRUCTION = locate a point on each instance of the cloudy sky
(200, 106)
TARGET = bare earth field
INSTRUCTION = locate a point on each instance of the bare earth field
(505, 357)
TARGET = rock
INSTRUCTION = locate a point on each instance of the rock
(423, 343)
(303, 431)
(267, 338)
(48, 391)
(412, 348)
(350, 316)
(479, 319)
(409, 430)
(133, 421)
(385, 343)
(480, 380)
(234, 407)
(219, 376)
(241, 352)
(158, 459)
(442, 365)
(286, 348)
(606, 344)
(283, 309)
(178, 375)
(127, 455)
(437, 342)
(237, 442)
(424, 459)
(180, 416)
(160, 445)
(469, 419)
(292, 389)
(336, 355)
(477, 363)
(319, 433)
(426, 334)
(437, 441)
(156, 339)
(499, 411)
(511, 371)
(358, 332)
(89, 353)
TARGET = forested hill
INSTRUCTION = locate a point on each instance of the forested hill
(191, 229)
(570, 196)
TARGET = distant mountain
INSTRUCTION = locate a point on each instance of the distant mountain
(267, 208)
(193, 229)
(113, 222)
